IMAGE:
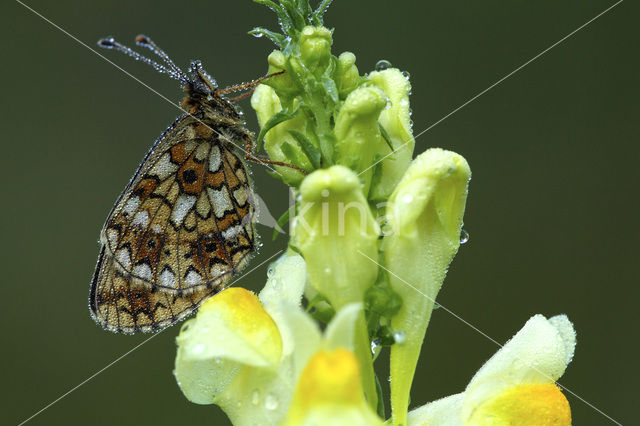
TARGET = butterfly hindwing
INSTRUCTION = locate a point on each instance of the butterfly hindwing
(119, 305)
(186, 221)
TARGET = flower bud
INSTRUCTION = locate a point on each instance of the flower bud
(357, 131)
(396, 122)
(285, 85)
(346, 76)
(333, 226)
(424, 215)
(315, 48)
(278, 141)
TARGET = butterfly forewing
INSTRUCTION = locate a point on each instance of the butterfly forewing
(186, 220)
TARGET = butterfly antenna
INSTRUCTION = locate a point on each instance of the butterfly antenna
(110, 43)
(144, 41)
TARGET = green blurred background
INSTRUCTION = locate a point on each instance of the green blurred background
(551, 212)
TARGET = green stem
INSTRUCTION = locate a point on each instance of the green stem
(363, 353)
(404, 356)
(323, 128)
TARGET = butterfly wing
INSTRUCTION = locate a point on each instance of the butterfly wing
(186, 221)
(119, 305)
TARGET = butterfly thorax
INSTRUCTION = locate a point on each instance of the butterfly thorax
(206, 105)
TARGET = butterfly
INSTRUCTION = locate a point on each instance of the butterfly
(185, 223)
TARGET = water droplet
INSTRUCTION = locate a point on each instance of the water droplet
(255, 397)
(374, 346)
(270, 272)
(399, 337)
(257, 35)
(406, 74)
(383, 65)
(197, 349)
(464, 236)
(407, 198)
(327, 271)
(325, 193)
(271, 402)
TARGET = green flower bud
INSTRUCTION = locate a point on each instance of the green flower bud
(333, 224)
(284, 84)
(278, 141)
(315, 48)
(357, 132)
(425, 218)
(346, 76)
(396, 122)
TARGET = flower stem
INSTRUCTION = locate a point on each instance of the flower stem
(363, 353)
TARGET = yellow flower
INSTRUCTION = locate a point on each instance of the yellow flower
(241, 352)
(245, 353)
(330, 393)
(516, 386)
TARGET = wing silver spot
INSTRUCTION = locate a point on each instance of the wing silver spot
(193, 278)
(231, 232)
(164, 167)
(214, 159)
(131, 205)
(218, 270)
(183, 205)
(143, 271)
(167, 278)
(112, 237)
(220, 201)
(124, 257)
(141, 219)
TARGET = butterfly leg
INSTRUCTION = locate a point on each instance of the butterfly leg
(244, 95)
(249, 155)
(250, 85)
